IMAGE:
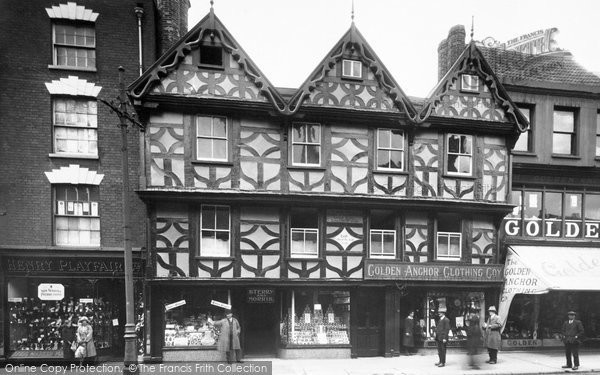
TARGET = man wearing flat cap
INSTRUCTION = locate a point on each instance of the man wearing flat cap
(441, 336)
(572, 331)
(492, 335)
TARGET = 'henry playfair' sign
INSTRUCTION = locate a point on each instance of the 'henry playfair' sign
(392, 270)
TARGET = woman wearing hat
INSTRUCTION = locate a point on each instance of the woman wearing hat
(492, 335)
(85, 339)
(572, 330)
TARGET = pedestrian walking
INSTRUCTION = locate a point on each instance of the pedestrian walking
(408, 339)
(229, 339)
(67, 333)
(86, 350)
(474, 339)
(572, 331)
(441, 336)
(492, 335)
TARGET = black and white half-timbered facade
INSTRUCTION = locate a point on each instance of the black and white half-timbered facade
(321, 214)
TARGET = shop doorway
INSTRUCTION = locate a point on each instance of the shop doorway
(259, 329)
(370, 309)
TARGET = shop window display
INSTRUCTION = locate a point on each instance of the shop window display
(521, 321)
(458, 306)
(190, 324)
(317, 318)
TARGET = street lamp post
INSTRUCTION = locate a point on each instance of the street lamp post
(126, 118)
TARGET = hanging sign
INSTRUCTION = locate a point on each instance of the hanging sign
(173, 305)
(51, 292)
(86, 300)
(220, 304)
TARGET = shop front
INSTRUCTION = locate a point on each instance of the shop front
(460, 289)
(45, 296)
(542, 284)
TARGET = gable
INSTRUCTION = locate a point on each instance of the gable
(487, 100)
(375, 89)
(184, 71)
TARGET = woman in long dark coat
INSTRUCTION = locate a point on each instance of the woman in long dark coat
(408, 339)
(67, 333)
(474, 339)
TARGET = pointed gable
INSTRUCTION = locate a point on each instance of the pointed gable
(207, 63)
(471, 90)
(352, 76)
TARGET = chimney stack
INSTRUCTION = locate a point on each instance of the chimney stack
(450, 48)
(173, 22)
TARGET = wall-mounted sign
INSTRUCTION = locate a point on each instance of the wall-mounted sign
(220, 304)
(86, 300)
(536, 42)
(173, 305)
(261, 296)
(51, 292)
(62, 266)
(535, 228)
(15, 299)
(393, 270)
(521, 343)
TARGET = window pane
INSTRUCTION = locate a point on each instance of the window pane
(219, 127)
(313, 154)
(376, 241)
(297, 241)
(207, 241)
(313, 133)
(465, 145)
(220, 149)
(454, 143)
(564, 121)
(204, 148)
(397, 139)
(442, 245)
(553, 205)
(454, 246)
(396, 161)
(452, 163)
(533, 204)
(592, 207)
(383, 159)
(221, 245)
(298, 133)
(573, 206)
(208, 217)
(561, 144)
(388, 244)
(383, 138)
(299, 154)
(222, 218)
(203, 126)
(465, 164)
(311, 242)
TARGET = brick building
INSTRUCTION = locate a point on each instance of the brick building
(61, 229)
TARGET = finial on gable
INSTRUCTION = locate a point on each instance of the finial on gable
(472, 27)
(211, 4)
(352, 15)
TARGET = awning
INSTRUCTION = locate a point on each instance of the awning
(563, 268)
(540, 269)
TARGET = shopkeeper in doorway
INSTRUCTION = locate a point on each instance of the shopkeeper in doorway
(229, 339)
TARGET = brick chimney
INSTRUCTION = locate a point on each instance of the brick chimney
(173, 22)
(450, 48)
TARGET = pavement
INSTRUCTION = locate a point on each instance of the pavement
(523, 362)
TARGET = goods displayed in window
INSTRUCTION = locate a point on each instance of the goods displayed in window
(323, 321)
(458, 306)
(193, 331)
(42, 325)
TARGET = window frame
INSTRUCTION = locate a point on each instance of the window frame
(389, 150)
(56, 214)
(530, 130)
(351, 65)
(459, 154)
(212, 139)
(304, 254)
(382, 232)
(466, 83)
(597, 153)
(215, 230)
(449, 236)
(207, 65)
(443, 219)
(65, 125)
(306, 144)
(56, 45)
(574, 135)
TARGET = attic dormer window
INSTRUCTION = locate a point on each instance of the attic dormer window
(352, 69)
(469, 82)
(211, 56)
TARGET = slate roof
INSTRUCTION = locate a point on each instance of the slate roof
(556, 67)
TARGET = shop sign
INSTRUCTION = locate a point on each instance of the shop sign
(173, 305)
(521, 343)
(15, 299)
(261, 296)
(553, 229)
(536, 42)
(51, 292)
(391, 270)
(220, 304)
(86, 300)
(107, 266)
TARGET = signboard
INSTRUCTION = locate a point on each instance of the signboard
(86, 300)
(62, 266)
(51, 292)
(173, 305)
(394, 270)
(566, 229)
(536, 42)
(260, 296)
(220, 304)
(521, 343)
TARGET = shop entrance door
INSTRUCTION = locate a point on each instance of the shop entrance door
(259, 329)
(370, 309)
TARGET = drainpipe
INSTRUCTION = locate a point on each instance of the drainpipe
(139, 12)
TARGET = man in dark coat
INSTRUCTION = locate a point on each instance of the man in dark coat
(572, 330)
(408, 339)
(473, 338)
(441, 336)
(229, 338)
(492, 335)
